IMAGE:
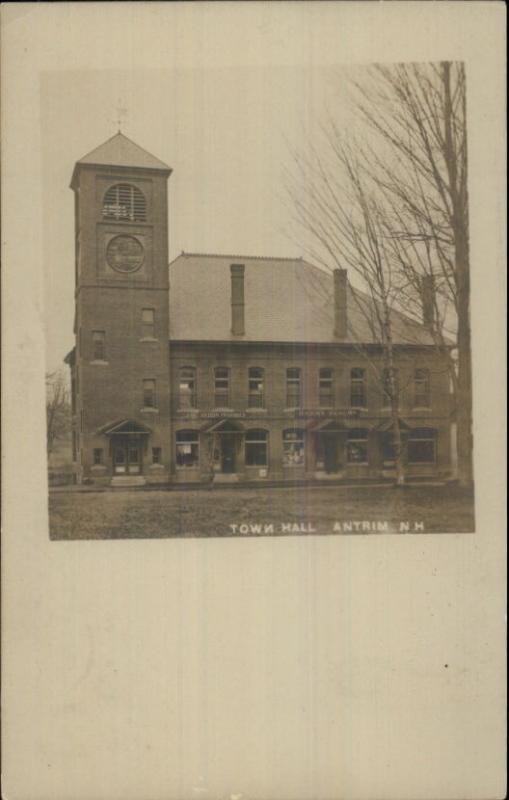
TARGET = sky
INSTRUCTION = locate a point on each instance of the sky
(227, 133)
(220, 91)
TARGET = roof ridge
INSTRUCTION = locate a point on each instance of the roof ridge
(238, 255)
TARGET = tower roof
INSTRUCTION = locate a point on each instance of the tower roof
(119, 151)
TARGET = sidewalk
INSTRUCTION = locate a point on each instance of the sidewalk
(372, 483)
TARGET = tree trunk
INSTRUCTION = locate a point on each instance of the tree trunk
(460, 224)
(464, 383)
(394, 391)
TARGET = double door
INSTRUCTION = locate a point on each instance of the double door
(127, 457)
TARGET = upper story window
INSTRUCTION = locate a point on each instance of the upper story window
(358, 397)
(187, 387)
(326, 387)
(255, 397)
(99, 346)
(147, 323)
(390, 388)
(125, 202)
(421, 388)
(221, 387)
(149, 393)
(293, 387)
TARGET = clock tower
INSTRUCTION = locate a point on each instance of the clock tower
(120, 364)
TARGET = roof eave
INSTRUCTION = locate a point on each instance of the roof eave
(79, 165)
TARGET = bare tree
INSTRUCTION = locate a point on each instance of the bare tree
(418, 160)
(58, 409)
(335, 201)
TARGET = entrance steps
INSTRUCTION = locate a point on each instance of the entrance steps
(126, 481)
(226, 477)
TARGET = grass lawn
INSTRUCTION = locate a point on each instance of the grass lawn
(284, 511)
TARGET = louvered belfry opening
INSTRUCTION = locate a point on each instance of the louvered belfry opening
(125, 202)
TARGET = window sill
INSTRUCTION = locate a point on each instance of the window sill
(99, 363)
(256, 410)
(421, 408)
(148, 339)
(149, 410)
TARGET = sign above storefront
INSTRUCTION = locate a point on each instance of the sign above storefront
(295, 413)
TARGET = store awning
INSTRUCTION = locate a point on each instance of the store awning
(125, 427)
(225, 426)
(327, 426)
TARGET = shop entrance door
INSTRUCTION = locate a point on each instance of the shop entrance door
(330, 453)
(127, 457)
(227, 453)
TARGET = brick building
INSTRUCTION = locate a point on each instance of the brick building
(228, 367)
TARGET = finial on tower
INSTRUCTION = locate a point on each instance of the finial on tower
(121, 116)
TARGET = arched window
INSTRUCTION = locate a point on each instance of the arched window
(422, 446)
(256, 448)
(357, 446)
(187, 454)
(125, 202)
(293, 447)
(187, 387)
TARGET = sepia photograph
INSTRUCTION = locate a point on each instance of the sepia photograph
(286, 355)
(253, 400)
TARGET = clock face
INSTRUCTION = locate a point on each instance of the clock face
(124, 253)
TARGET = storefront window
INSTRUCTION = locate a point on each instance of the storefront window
(256, 448)
(357, 446)
(187, 455)
(293, 448)
(422, 446)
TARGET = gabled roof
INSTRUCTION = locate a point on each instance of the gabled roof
(125, 426)
(119, 151)
(286, 300)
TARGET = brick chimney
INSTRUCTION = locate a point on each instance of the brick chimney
(340, 303)
(237, 299)
(428, 300)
